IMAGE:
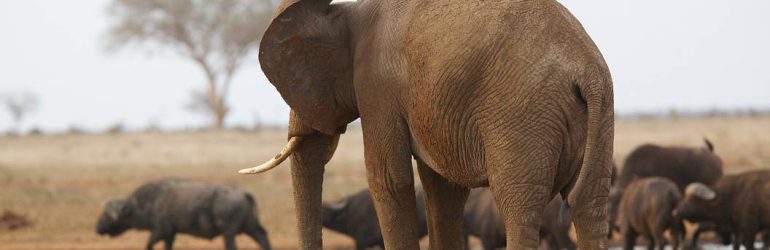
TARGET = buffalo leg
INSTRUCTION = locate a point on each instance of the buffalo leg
(696, 236)
(258, 234)
(551, 241)
(466, 239)
(629, 236)
(444, 200)
(748, 239)
(361, 246)
(563, 241)
(738, 241)
(169, 241)
(765, 240)
(658, 238)
(488, 243)
(651, 243)
(704, 226)
(230, 241)
(677, 232)
(154, 238)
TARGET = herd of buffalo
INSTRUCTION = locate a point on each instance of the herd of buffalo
(655, 191)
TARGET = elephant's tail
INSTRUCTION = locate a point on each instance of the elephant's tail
(596, 91)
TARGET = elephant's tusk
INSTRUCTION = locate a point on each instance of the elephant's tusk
(272, 163)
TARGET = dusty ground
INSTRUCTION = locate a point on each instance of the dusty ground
(61, 181)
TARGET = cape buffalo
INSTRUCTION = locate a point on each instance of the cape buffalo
(170, 206)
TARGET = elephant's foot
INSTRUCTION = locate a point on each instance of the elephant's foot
(591, 228)
(522, 237)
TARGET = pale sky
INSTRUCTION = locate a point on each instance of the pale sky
(684, 54)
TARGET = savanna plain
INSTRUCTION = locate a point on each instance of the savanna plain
(60, 182)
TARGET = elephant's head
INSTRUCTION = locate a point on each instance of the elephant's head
(306, 54)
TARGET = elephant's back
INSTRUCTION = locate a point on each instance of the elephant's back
(484, 74)
(493, 57)
(439, 33)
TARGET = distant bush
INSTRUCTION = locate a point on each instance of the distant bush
(116, 128)
(35, 132)
(11, 133)
(75, 130)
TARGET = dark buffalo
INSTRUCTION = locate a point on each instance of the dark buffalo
(13, 221)
(739, 203)
(483, 220)
(646, 210)
(355, 216)
(172, 206)
(682, 165)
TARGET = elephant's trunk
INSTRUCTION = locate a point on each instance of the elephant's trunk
(307, 168)
(309, 151)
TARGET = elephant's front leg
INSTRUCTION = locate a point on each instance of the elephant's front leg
(444, 202)
(391, 183)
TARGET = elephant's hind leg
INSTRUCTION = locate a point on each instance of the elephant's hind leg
(522, 211)
(444, 200)
(522, 186)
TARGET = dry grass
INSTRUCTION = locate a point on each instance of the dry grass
(742, 143)
(60, 182)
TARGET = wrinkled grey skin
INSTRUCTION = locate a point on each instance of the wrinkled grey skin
(170, 206)
(482, 219)
(355, 216)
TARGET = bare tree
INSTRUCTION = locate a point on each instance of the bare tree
(215, 35)
(19, 105)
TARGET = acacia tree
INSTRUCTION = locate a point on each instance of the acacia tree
(215, 35)
(19, 105)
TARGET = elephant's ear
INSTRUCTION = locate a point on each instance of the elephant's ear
(303, 53)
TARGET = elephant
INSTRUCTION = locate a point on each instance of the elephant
(513, 95)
